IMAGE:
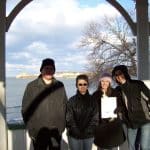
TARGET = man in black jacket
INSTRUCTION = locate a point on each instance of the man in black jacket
(135, 112)
(44, 107)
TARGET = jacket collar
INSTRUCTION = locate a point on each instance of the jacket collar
(41, 82)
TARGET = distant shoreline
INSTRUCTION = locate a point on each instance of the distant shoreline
(57, 75)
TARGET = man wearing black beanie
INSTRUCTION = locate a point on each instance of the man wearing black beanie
(44, 107)
(135, 108)
(47, 62)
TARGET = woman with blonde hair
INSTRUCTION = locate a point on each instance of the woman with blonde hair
(106, 92)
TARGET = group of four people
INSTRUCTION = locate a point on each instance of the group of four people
(47, 111)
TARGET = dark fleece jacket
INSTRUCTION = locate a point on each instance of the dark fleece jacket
(44, 106)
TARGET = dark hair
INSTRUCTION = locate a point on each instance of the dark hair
(82, 77)
(123, 69)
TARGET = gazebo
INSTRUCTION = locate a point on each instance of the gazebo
(140, 29)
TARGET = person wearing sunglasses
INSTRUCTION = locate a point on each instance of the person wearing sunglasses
(81, 116)
(136, 102)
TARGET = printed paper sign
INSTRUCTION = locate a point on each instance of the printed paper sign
(108, 105)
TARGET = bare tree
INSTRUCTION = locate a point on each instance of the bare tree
(109, 43)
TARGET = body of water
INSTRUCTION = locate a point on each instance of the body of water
(15, 90)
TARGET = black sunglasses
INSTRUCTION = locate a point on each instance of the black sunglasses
(85, 84)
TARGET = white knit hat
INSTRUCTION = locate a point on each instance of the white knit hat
(105, 76)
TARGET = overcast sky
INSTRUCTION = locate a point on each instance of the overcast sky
(51, 28)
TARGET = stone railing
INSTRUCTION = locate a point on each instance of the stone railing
(18, 138)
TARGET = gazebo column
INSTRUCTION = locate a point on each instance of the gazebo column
(143, 51)
(3, 128)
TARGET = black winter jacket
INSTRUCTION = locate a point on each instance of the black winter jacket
(133, 110)
(82, 116)
(44, 106)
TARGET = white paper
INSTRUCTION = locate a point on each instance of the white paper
(108, 105)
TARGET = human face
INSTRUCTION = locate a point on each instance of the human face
(47, 72)
(105, 84)
(82, 86)
(119, 77)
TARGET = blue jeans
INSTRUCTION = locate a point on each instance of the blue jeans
(107, 149)
(80, 144)
(139, 137)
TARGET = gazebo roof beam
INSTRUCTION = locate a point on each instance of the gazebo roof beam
(124, 14)
(15, 11)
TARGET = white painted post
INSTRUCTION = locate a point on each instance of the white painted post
(143, 51)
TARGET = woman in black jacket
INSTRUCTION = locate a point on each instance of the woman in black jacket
(81, 117)
(103, 92)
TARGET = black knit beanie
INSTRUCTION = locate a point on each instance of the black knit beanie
(46, 62)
